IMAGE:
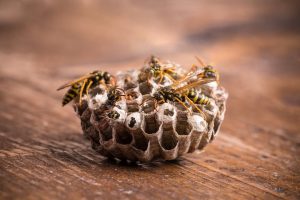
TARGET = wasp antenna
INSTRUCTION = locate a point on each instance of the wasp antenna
(61, 87)
(200, 61)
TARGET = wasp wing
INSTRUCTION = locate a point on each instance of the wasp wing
(194, 84)
(75, 81)
(187, 76)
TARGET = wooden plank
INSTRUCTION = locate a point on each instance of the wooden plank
(43, 154)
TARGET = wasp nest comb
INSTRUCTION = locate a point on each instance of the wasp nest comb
(158, 112)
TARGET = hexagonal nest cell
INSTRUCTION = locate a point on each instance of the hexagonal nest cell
(154, 118)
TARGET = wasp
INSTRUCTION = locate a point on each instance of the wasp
(159, 71)
(114, 94)
(208, 71)
(205, 72)
(186, 94)
(113, 114)
(81, 86)
(166, 94)
(192, 95)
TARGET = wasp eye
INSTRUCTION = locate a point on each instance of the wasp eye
(209, 67)
(210, 74)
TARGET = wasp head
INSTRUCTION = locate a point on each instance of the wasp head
(155, 66)
(114, 94)
(158, 96)
(210, 72)
(113, 114)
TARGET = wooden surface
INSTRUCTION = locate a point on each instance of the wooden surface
(254, 44)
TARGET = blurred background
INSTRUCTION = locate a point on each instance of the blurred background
(57, 33)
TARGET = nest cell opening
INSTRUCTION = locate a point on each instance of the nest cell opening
(169, 112)
(132, 122)
(129, 85)
(123, 137)
(151, 124)
(132, 95)
(141, 142)
(148, 106)
(145, 88)
(132, 107)
(183, 127)
(107, 133)
(168, 140)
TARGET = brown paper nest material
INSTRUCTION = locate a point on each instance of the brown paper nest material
(143, 133)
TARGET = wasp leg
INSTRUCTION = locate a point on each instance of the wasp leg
(161, 101)
(88, 88)
(187, 75)
(161, 77)
(193, 104)
(102, 82)
(172, 79)
(81, 91)
(170, 69)
(182, 103)
(113, 81)
(158, 103)
(194, 84)
(155, 105)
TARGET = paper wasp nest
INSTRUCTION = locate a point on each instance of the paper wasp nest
(146, 131)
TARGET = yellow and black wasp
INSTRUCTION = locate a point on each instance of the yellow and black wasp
(165, 94)
(203, 72)
(159, 71)
(114, 94)
(81, 86)
(184, 95)
(113, 114)
(192, 96)
(208, 71)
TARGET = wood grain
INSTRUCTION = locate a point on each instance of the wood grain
(255, 46)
